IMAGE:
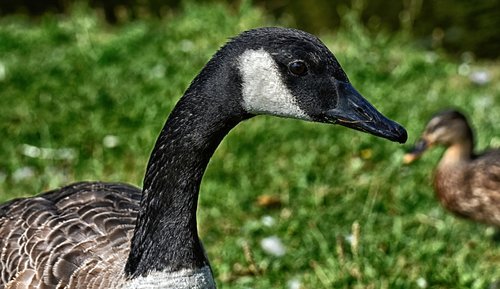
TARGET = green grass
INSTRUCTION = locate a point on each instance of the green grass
(71, 83)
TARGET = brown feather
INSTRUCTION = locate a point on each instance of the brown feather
(56, 240)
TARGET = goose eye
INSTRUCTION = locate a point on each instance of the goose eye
(298, 68)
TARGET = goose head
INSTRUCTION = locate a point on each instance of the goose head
(446, 128)
(291, 73)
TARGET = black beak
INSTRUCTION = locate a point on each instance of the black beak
(355, 112)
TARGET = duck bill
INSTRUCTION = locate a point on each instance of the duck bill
(416, 152)
(355, 112)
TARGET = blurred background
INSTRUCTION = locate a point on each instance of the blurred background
(85, 87)
(455, 25)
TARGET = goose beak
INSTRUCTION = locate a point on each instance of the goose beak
(417, 151)
(355, 112)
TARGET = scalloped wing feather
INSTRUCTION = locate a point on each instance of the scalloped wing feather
(74, 237)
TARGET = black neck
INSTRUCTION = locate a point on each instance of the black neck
(166, 236)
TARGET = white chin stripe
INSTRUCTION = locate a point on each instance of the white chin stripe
(264, 91)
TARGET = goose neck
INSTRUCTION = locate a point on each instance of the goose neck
(166, 237)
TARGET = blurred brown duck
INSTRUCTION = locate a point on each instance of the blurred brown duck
(465, 183)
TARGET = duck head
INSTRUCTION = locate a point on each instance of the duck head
(446, 128)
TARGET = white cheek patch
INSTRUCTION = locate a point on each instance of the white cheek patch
(264, 92)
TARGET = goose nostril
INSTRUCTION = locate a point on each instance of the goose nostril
(359, 110)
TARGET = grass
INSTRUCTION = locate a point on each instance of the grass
(83, 101)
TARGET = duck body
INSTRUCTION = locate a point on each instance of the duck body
(465, 183)
(471, 188)
(108, 235)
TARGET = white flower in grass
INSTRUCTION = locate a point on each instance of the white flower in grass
(158, 71)
(481, 77)
(273, 246)
(421, 282)
(110, 141)
(23, 174)
(293, 283)
(268, 221)
(187, 45)
(48, 153)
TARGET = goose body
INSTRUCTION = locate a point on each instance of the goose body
(467, 184)
(108, 235)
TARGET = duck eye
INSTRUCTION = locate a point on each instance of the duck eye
(298, 68)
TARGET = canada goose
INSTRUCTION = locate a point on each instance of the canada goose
(465, 183)
(108, 235)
